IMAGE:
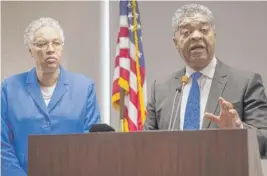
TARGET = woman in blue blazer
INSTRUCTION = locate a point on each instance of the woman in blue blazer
(45, 100)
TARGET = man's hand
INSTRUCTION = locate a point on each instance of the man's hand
(228, 117)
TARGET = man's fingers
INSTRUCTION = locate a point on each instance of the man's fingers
(221, 99)
(229, 105)
(225, 104)
(221, 103)
(213, 118)
(233, 113)
(235, 117)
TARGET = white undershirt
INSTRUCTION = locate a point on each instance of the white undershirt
(204, 83)
(47, 93)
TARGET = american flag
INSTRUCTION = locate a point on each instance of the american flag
(129, 73)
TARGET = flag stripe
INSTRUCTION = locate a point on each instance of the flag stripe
(129, 71)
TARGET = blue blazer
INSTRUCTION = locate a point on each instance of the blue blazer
(73, 109)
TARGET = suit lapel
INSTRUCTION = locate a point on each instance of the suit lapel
(177, 84)
(34, 90)
(217, 86)
(60, 90)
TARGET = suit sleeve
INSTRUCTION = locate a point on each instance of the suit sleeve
(151, 120)
(255, 110)
(92, 113)
(9, 161)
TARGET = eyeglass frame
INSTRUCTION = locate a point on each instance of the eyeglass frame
(46, 43)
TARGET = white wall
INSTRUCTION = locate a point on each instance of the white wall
(81, 24)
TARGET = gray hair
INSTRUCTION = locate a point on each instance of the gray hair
(189, 10)
(39, 23)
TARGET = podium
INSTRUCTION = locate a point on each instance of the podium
(149, 153)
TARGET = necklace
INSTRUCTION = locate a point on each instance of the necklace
(46, 96)
(47, 92)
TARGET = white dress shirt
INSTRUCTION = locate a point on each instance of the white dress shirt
(204, 83)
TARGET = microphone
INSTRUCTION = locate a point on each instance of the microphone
(179, 88)
(183, 82)
(101, 128)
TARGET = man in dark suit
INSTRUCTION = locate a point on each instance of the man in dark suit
(214, 94)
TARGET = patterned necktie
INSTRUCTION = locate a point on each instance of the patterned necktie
(192, 111)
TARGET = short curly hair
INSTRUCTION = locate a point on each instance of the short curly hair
(189, 10)
(37, 24)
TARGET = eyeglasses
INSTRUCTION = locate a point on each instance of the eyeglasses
(45, 44)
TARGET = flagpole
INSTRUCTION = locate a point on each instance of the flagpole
(128, 46)
(122, 104)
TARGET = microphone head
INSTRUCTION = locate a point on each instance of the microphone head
(179, 89)
(101, 128)
(184, 80)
